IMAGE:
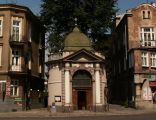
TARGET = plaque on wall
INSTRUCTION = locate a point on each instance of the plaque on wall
(57, 98)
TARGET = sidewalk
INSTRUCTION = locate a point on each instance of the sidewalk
(114, 110)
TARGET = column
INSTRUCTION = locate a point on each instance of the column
(67, 85)
(97, 84)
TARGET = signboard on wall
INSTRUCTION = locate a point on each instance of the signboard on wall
(57, 98)
(150, 77)
(7, 88)
(152, 83)
(147, 93)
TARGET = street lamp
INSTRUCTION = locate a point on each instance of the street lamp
(26, 80)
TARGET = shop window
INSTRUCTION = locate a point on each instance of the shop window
(2, 86)
(14, 90)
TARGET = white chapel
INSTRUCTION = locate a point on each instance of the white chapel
(77, 75)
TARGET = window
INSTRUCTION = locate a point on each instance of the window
(147, 36)
(143, 14)
(14, 90)
(0, 55)
(16, 29)
(144, 57)
(149, 14)
(146, 14)
(1, 26)
(81, 78)
(29, 32)
(16, 60)
(153, 59)
(2, 86)
(131, 60)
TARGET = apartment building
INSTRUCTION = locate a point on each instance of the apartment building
(21, 57)
(133, 80)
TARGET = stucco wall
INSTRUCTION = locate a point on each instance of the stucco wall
(54, 85)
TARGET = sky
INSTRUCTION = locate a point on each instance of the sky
(124, 5)
(34, 5)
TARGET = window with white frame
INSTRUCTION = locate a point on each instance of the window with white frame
(16, 28)
(2, 86)
(147, 36)
(1, 26)
(30, 33)
(14, 89)
(16, 60)
(144, 58)
(0, 55)
(153, 59)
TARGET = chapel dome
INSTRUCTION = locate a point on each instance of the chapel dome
(77, 40)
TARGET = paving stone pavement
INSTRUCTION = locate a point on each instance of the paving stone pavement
(114, 110)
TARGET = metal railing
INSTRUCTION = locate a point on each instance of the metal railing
(148, 43)
(17, 68)
(142, 44)
(17, 38)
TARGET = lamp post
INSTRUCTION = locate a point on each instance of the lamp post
(26, 80)
(45, 93)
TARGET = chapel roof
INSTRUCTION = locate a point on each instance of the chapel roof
(77, 40)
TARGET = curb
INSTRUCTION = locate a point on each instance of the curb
(45, 113)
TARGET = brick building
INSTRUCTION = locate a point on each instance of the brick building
(21, 57)
(134, 57)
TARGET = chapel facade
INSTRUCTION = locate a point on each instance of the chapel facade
(77, 77)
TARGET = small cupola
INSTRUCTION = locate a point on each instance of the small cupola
(77, 40)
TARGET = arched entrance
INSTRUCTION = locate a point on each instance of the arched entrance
(82, 90)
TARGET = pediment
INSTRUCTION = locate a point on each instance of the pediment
(83, 55)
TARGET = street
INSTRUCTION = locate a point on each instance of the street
(150, 116)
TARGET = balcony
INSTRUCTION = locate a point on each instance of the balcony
(17, 68)
(17, 40)
(142, 44)
(150, 43)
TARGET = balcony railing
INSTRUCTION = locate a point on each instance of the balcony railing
(142, 44)
(17, 68)
(148, 43)
(17, 40)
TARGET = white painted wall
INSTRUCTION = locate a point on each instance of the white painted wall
(54, 85)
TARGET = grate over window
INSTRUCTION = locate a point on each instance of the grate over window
(82, 78)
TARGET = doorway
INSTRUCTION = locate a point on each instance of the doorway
(81, 100)
(82, 90)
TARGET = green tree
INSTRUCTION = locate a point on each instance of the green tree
(94, 19)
